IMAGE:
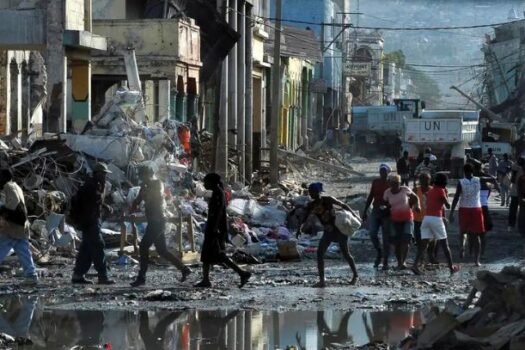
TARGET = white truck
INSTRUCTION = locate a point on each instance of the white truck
(447, 132)
(499, 136)
(380, 127)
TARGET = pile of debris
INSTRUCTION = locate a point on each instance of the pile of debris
(52, 168)
(264, 220)
(493, 316)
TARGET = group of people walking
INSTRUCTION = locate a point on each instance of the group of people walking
(87, 209)
(405, 215)
(402, 214)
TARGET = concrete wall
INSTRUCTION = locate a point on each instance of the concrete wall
(152, 37)
(74, 15)
(22, 29)
(109, 9)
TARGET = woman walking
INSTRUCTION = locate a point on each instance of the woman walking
(323, 208)
(400, 200)
(215, 235)
(433, 226)
(471, 220)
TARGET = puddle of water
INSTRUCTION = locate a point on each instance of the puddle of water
(200, 330)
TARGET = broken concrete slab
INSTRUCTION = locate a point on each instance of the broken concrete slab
(436, 330)
(468, 315)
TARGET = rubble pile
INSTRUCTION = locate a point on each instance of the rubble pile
(493, 316)
(264, 220)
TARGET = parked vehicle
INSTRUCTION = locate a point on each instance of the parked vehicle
(447, 132)
(499, 136)
(379, 128)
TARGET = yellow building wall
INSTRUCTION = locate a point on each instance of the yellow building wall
(291, 101)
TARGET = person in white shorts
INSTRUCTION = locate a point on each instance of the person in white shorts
(433, 225)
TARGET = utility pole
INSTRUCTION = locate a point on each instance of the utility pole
(276, 96)
(492, 115)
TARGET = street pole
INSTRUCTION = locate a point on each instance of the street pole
(492, 115)
(276, 96)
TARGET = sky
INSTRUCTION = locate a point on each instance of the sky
(452, 47)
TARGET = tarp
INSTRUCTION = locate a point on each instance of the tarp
(117, 150)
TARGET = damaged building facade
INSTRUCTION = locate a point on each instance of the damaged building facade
(504, 52)
(330, 109)
(300, 53)
(44, 45)
(364, 67)
(167, 52)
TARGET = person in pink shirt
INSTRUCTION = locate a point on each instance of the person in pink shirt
(400, 200)
(433, 225)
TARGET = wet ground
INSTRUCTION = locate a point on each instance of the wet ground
(276, 309)
(29, 318)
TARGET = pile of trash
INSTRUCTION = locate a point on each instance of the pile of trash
(52, 168)
(493, 317)
(264, 220)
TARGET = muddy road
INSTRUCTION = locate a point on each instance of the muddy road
(284, 288)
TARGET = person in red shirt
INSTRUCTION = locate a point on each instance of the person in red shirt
(379, 217)
(433, 225)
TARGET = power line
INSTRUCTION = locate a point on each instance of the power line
(394, 28)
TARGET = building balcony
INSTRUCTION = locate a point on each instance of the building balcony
(167, 39)
(26, 30)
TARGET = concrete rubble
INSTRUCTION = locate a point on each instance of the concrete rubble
(264, 221)
(493, 316)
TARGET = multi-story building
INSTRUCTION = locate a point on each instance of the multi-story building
(42, 44)
(364, 67)
(397, 83)
(168, 55)
(503, 53)
(300, 53)
(326, 19)
(261, 80)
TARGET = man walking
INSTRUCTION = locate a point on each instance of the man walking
(424, 167)
(152, 193)
(87, 209)
(504, 169)
(493, 163)
(379, 218)
(14, 227)
(403, 168)
(516, 173)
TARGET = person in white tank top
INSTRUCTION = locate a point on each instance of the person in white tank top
(471, 221)
(470, 193)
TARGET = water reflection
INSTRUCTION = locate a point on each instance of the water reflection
(200, 330)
